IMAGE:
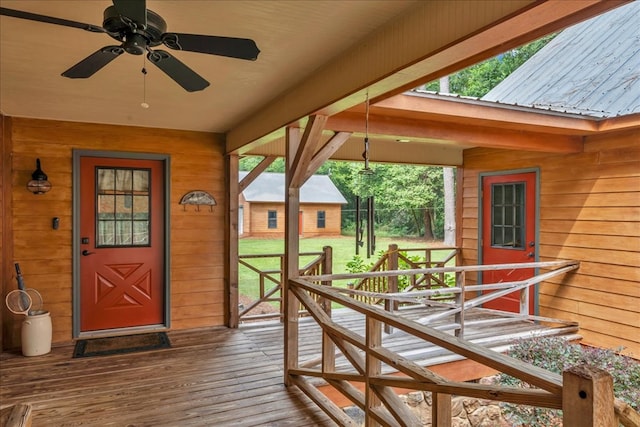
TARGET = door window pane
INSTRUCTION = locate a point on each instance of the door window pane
(507, 215)
(123, 201)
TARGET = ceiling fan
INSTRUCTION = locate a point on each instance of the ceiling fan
(138, 30)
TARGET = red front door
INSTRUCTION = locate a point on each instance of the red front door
(121, 243)
(508, 232)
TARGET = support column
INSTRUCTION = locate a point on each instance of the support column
(292, 251)
(231, 242)
(587, 398)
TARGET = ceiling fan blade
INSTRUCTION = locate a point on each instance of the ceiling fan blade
(133, 11)
(94, 62)
(213, 45)
(180, 73)
(50, 20)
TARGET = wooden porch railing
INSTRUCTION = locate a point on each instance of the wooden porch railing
(407, 259)
(269, 280)
(584, 394)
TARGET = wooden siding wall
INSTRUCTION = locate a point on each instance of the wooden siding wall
(45, 255)
(256, 223)
(310, 220)
(589, 211)
(5, 219)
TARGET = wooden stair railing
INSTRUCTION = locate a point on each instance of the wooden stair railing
(595, 408)
(393, 258)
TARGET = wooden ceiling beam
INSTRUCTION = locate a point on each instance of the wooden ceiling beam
(306, 149)
(483, 113)
(457, 133)
(255, 172)
(327, 150)
(444, 36)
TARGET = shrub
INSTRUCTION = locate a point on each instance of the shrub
(555, 355)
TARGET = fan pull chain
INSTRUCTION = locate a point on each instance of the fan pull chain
(144, 84)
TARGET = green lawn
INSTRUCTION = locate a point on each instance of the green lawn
(343, 252)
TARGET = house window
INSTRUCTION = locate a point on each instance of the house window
(321, 219)
(122, 199)
(507, 215)
(272, 219)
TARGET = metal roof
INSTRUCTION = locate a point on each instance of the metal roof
(269, 187)
(592, 68)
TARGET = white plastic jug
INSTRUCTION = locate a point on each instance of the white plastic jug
(36, 333)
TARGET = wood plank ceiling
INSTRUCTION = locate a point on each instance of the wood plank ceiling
(317, 57)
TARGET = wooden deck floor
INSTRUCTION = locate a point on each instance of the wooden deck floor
(483, 327)
(213, 377)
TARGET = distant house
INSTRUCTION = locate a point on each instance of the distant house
(261, 207)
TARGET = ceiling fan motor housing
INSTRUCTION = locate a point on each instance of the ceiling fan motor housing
(138, 30)
(135, 38)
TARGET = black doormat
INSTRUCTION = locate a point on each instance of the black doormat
(122, 344)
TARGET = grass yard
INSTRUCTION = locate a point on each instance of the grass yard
(343, 252)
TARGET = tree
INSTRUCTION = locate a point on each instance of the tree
(408, 199)
(480, 78)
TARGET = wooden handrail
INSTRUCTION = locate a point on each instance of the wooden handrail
(366, 352)
(533, 375)
(391, 260)
(273, 275)
(487, 267)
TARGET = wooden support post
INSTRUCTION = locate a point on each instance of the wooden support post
(327, 268)
(328, 346)
(587, 398)
(392, 283)
(459, 317)
(441, 410)
(292, 257)
(524, 301)
(429, 282)
(373, 369)
(231, 242)
(282, 276)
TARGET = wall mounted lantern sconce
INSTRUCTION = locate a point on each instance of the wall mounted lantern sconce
(38, 183)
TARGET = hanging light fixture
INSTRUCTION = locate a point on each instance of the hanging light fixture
(38, 183)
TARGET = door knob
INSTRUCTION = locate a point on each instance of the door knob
(86, 252)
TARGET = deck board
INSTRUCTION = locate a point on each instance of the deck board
(209, 377)
(214, 376)
(483, 327)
